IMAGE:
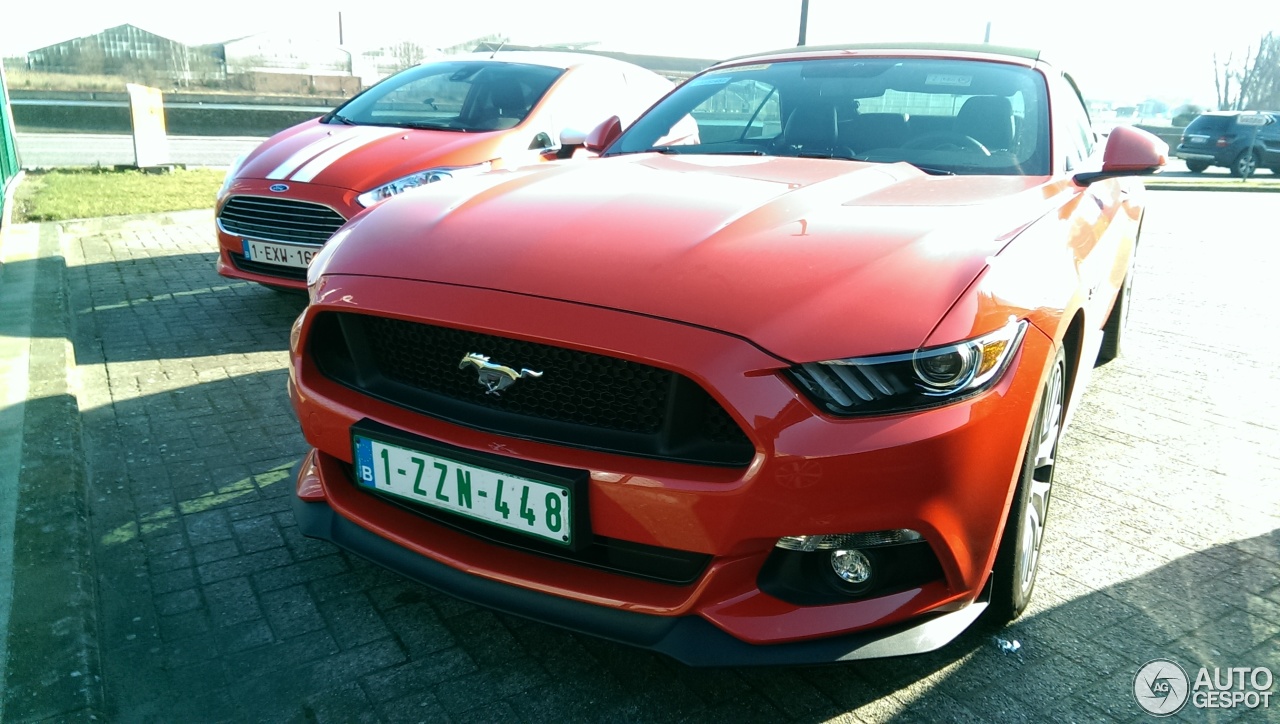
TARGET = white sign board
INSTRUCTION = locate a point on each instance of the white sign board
(150, 140)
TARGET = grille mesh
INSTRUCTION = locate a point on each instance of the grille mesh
(582, 399)
(285, 220)
(587, 389)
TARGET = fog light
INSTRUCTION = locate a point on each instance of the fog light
(851, 566)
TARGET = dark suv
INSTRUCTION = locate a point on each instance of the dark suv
(1239, 140)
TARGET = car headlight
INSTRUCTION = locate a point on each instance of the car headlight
(232, 170)
(421, 178)
(911, 380)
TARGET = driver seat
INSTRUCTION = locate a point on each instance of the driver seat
(989, 119)
(812, 128)
(505, 106)
(507, 97)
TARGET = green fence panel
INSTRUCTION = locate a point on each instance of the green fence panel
(8, 141)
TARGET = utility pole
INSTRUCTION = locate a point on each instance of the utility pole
(804, 20)
(339, 27)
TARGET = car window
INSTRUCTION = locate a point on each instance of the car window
(1208, 124)
(1074, 128)
(455, 95)
(739, 110)
(953, 116)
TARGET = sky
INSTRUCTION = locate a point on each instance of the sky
(1125, 51)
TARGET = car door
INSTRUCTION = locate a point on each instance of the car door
(1269, 140)
(1101, 242)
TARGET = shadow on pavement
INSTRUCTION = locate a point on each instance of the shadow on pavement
(208, 605)
(149, 309)
(212, 608)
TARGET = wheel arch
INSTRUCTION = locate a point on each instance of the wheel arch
(1073, 350)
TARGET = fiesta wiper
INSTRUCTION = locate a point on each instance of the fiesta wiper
(335, 116)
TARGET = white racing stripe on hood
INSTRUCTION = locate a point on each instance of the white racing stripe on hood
(307, 152)
(327, 158)
(317, 147)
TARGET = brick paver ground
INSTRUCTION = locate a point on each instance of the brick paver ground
(153, 496)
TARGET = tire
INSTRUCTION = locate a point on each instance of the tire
(1117, 323)
(1245, 164)
(1018, 559)
(1197, 166)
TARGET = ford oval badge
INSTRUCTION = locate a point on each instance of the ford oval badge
(279, 187)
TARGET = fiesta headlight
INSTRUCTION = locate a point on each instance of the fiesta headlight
(910, 380)
(421, 178)
(232, 170)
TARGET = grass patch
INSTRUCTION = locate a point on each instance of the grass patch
(59, 195)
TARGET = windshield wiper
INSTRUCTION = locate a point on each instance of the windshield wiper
(933, 171)
(701, 151)
(831, 156)
(424, 126)
(340, 119)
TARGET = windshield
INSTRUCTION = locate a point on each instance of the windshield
(470, 95)
(943, 115)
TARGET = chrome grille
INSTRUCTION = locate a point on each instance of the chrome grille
(284, 220)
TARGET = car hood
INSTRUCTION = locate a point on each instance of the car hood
(362, 157)
(809, 259)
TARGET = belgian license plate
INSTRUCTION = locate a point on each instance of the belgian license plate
(279, 254)
(532, 507)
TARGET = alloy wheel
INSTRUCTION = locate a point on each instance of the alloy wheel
(1048, 430)
(1246, 164)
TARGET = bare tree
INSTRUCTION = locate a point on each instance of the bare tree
(407, 54)
(1255, 85)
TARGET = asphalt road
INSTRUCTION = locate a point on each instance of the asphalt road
(58, 150)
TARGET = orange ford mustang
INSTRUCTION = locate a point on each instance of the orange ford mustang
(779, 378)
(444, 119)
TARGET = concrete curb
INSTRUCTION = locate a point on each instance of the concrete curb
(53, 613)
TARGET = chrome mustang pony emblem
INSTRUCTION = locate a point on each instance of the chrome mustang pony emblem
(494, 378)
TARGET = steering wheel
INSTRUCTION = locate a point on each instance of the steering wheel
(947, 140)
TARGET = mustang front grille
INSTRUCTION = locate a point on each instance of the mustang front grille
(578, 399)
(285, 220)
